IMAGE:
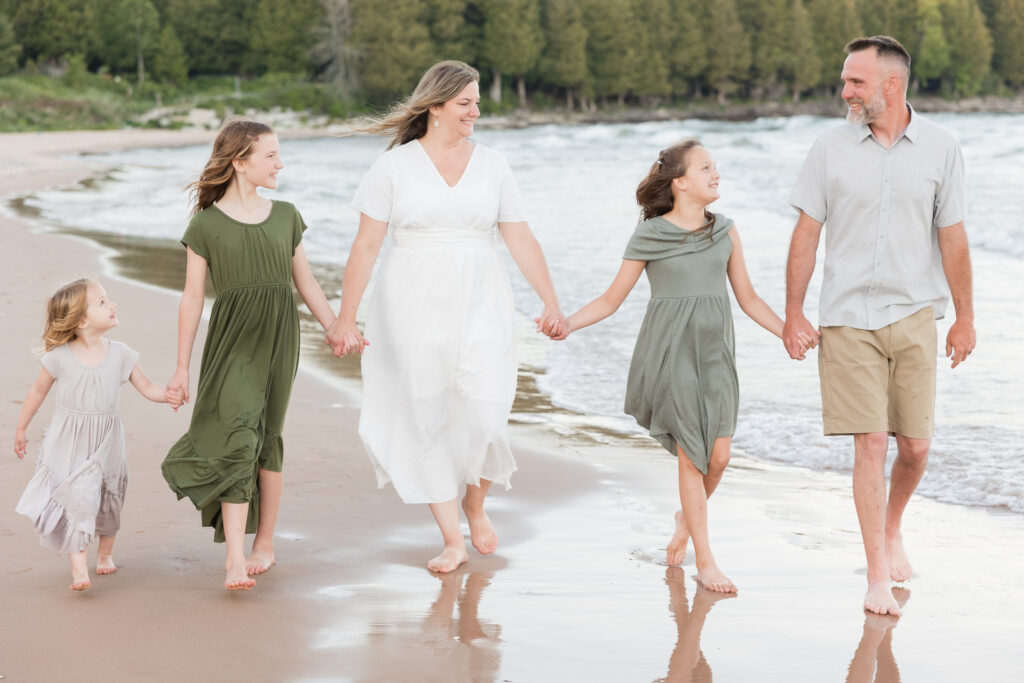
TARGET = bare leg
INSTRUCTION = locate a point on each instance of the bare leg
(907, 471)
(869, 499)
(262, 557)
(105, 556)
(446, 515)
(675, 552)
(481, 531)
(695, 511)
(80, 571)
(234, 516)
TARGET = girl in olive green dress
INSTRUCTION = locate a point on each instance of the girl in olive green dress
(682, 380)
(229, 463)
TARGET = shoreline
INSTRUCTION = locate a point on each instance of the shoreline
(583, 532)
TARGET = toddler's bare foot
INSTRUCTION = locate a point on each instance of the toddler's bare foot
(80, 580)
(880, 600)
(259, 562)
(105, 564)
(675, 553)
(899, 566)
(449, 560)
(714, 580)
(481, 531)
(237, 579)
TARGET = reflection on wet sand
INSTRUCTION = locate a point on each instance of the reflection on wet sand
(687, 662)
(874, 662)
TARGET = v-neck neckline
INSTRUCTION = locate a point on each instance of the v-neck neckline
(437, 171)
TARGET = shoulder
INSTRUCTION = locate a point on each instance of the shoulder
(285, 209)
(122, 348)
(935, 133)
(837, 136)
(490, 154)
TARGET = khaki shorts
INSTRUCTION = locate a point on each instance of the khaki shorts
(880, 380)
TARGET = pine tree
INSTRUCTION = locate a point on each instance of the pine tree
(129, 31)
(728, 51)
(50, 30)
(9, 48)
(511, 42)
(394, 44)
(931, 54)
(688, 56)
(806, 63)
(896, 18)
(1007, 26)
(970, 55)
(332, 50)
(170, 64)
(611, 46)
(836, 23)
(563, 64)
(453, 36)
(773, 56)
(281, 35)
(655, 29)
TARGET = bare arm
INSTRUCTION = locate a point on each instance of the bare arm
(343, 336)
(799, 268)
(753, 305)
(529, 258)
(309, 289)
(147, 387)
(956, 262)
(609, 302)
(36, 395)
(190, 312)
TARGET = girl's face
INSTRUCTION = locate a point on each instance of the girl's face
(459, 113)
(101, 313)
(701, 178)
(264, 161)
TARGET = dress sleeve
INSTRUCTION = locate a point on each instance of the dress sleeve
(376, 191)
(51, 362)
(193, 237)
(510, 203)
(809, 194)
(298, 227)
(129, 357)
(639, 247)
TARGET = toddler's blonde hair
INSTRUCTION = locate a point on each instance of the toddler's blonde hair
(65, 311)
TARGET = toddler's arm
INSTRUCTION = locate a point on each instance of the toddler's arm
(154, 392)
(36, 395)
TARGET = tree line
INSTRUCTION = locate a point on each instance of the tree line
(581, 52)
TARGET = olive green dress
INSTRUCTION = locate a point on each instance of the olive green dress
(682, 382)
(249, 362)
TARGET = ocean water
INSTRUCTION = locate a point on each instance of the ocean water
(578, 184)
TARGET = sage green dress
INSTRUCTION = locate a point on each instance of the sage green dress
(249, 362)
(682, 382)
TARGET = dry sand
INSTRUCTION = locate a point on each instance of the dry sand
(576, 591)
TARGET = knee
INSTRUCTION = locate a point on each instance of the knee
(871, 447)
(915, 452)
(719, 461)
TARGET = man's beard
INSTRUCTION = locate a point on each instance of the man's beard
(869, 111)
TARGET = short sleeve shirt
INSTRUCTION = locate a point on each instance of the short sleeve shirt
(882, 210)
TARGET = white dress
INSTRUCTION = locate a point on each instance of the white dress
(439, 375)
(82, 473)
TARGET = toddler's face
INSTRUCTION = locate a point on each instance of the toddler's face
(101, 315)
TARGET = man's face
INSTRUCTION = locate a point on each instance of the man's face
(863, 76)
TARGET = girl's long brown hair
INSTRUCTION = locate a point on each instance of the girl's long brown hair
(65, 311)
(654, 193)
(234, 141)
(407, 120)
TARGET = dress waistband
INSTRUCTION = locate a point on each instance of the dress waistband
(255, 285)
(440, 239)
(75, 411)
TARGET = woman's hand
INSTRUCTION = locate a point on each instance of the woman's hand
(344, 337)
(552, 323)
(176, 391)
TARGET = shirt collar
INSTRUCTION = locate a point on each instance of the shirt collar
(910, 132)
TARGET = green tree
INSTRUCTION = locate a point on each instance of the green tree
(453, 36)
(563, 64)
(51, 30)
(281, 35)
(772, 49)
(511, 42)
(333, 51)
(9, 48)
(1007, 26)
(129, 31)
(836, 23)
(169, 62)
(393, 44)
(656, 32)
(215, 33)
(611, 46)
(729, 51)
(806, 63)
(896, 18)
(688, 56)
(970, 55)
(931, 54)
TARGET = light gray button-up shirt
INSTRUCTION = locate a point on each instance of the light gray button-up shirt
(882, 210)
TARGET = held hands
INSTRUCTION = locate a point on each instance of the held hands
(960, 341)
(176, 391)
(799, 335)
(20, 443)
(552, 323)
(344, 337)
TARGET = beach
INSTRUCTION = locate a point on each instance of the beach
(578, 589)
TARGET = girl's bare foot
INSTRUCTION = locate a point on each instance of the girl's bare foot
(449, 560)
(880, 600)
(237, 579)
(105, 564)
(899, 565)
(675, 553)
(481, 531)
(714, 580)
(259, 562)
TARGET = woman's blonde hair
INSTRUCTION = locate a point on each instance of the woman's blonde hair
(234, 141)
(407, 120)
(65, 311)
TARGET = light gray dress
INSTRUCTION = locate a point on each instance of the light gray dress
(82, 473)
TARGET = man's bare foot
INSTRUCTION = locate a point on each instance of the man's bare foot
(880, 600)
(105, 564)
(259, 562)
(899, 566)
(237, 579)
(449, 560)
(675, 553)
(481, 531)
(80, 580)
(714, 580)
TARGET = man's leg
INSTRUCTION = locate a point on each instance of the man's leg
(906, 473)
(869, 496)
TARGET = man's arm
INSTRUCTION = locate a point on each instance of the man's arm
(799, 268)
(956, 263)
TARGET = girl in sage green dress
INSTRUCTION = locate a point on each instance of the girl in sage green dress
(682, 380)
(229, 463)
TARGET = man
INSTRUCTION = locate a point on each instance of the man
(889, 186)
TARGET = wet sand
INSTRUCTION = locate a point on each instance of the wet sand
(577, 590)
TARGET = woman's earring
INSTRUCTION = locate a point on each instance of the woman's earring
(437, 122)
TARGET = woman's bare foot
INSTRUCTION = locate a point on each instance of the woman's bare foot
(714, 580)
(237, 579)
(880, 600)
(675, 553)
(105, 564)
(259, 562)
(449, 560)
(899, 565)
(481, 531)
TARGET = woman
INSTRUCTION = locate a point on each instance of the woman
(440, 375)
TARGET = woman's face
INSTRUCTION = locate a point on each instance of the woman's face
(264, 161)
(701, 178)
(460, 112)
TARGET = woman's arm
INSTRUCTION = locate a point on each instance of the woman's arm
(309, 289)
(529, 258)
(753, 305)
(190, 312)
(609, 302)
(343, 336)
(36, 395)
(147, 387)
